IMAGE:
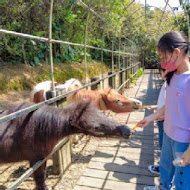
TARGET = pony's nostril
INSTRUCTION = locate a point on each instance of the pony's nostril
(124, 131)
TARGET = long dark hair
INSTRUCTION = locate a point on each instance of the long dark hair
(168, 42)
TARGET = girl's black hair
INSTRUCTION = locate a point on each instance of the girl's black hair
(171, 40)
(160, 68)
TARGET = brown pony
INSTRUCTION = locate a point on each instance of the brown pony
(108, 99)
(33, 136)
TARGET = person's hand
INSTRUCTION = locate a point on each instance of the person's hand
(143, 123)
(185, 158)
(151, 107)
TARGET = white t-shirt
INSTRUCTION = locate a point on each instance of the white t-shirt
(162, 96)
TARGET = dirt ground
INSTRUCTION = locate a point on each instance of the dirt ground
(82, 154)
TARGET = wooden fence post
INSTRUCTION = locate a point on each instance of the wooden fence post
(121, 81)
(111, 80)
(97, 85)
(62, 158)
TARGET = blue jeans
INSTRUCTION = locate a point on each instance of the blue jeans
(169, 172)
(160, 125)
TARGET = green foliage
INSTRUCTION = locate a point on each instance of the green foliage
(115, 21)
(133, 77)
(182, 17)
(139, 73)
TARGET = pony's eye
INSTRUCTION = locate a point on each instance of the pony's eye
(117, 101)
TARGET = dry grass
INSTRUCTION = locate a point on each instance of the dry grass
(20, 77)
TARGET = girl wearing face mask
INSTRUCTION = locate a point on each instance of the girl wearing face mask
(173, 50)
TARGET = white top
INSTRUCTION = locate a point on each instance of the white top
(162, 96)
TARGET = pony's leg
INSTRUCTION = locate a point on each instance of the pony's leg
(39, 177)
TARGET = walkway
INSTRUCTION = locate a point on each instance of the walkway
(122, 164)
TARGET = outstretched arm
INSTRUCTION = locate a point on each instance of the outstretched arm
(152, 117)
(151, 107)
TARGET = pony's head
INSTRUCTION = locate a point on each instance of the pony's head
(72, 84)
(89, 120)
(119, 103)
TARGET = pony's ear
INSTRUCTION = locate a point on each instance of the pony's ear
(107, 91)
(111, 91)
(81, 108)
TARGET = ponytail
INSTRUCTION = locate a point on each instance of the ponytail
(169, 77)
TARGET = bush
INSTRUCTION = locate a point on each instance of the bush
(133, 78)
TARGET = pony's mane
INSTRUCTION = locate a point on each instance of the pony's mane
(87, 94)
(93, 95)
(46, 121)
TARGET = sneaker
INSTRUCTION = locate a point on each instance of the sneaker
(151, 188)
(154, 169)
